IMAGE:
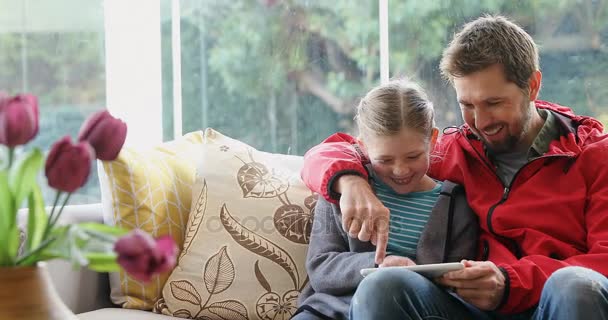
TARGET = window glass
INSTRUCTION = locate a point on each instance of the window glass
(282, 75)
(279, 75)
(572, 36)
(48, 50)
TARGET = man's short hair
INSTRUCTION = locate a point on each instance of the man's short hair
(491, 40)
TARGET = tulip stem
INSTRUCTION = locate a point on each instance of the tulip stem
(49, 223)
(54, 204)
(11, 155)
(65, 201)
(30, 256)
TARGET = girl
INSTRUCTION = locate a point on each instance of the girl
(397, 134)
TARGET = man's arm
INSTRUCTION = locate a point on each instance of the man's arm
(336, 164)
(524, 280)
(529, 274)
(325, 163)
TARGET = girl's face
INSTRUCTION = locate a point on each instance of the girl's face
(401, 160)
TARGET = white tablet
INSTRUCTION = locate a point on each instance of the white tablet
(427, 270)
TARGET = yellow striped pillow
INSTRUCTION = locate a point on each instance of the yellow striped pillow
(150, 190)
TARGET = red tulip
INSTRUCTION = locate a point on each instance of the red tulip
(18, 119)
(68, 165)
(142, 257)
(105, 133)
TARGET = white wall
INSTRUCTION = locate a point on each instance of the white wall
(133, 68)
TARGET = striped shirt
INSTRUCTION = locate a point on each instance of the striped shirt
(409, 214)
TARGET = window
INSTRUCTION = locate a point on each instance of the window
(283, 75)
(572, 36)
(280, 75)
(49, 51)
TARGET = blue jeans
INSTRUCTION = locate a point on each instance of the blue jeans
(570, 293)
(305, 315)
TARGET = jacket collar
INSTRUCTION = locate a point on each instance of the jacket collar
(574, 131)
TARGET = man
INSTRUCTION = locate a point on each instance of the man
(535, 174)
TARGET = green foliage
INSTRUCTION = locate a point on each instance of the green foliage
(85, 244)
(245, 61)
(577, 81)
(22, 176)
(247, 67)
(603, 118)
(66, 70)
(60, 67)
(88, 244)
(37, 219)
(6, 205)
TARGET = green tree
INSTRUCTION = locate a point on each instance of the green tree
(265, 63)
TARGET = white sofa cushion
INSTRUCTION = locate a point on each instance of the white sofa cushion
(122, 314)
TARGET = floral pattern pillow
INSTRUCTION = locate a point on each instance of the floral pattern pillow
(246, 237)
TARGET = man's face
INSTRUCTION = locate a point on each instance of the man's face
(496, 110)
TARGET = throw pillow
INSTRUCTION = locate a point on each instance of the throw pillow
(150, 190)
(246, 238)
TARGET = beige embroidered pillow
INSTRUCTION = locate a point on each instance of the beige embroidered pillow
(246, 237)
(151, 190)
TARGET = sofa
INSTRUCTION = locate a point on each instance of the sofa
(241, 218)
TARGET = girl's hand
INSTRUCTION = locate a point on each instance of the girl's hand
(397, 261)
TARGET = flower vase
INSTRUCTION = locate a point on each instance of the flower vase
(28, 293)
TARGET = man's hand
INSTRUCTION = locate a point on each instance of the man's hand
(397, 261)
(363, 215)
(480, 283)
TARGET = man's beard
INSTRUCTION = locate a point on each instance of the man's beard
(510, 143)
(506, 146)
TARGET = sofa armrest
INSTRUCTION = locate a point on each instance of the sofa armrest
(80, 289)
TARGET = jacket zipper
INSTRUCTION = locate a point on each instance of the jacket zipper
(505, 195)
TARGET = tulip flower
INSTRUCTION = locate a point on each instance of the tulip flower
(18, 119)
(142, 256)
(68, 165)
(105, 133)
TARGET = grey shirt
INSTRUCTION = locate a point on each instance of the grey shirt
(509, 163)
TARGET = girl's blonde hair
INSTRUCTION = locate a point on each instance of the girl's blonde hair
(398, 104)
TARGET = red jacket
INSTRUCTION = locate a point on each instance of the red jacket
(554, 214)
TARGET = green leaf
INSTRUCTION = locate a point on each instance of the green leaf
(21, 180)
(102, 262)
(22, 177)
(6, 216)
(13, 242)
(88, 245)
(37, 218)
(103, 229)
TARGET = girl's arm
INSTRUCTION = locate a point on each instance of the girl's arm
(332, 267)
